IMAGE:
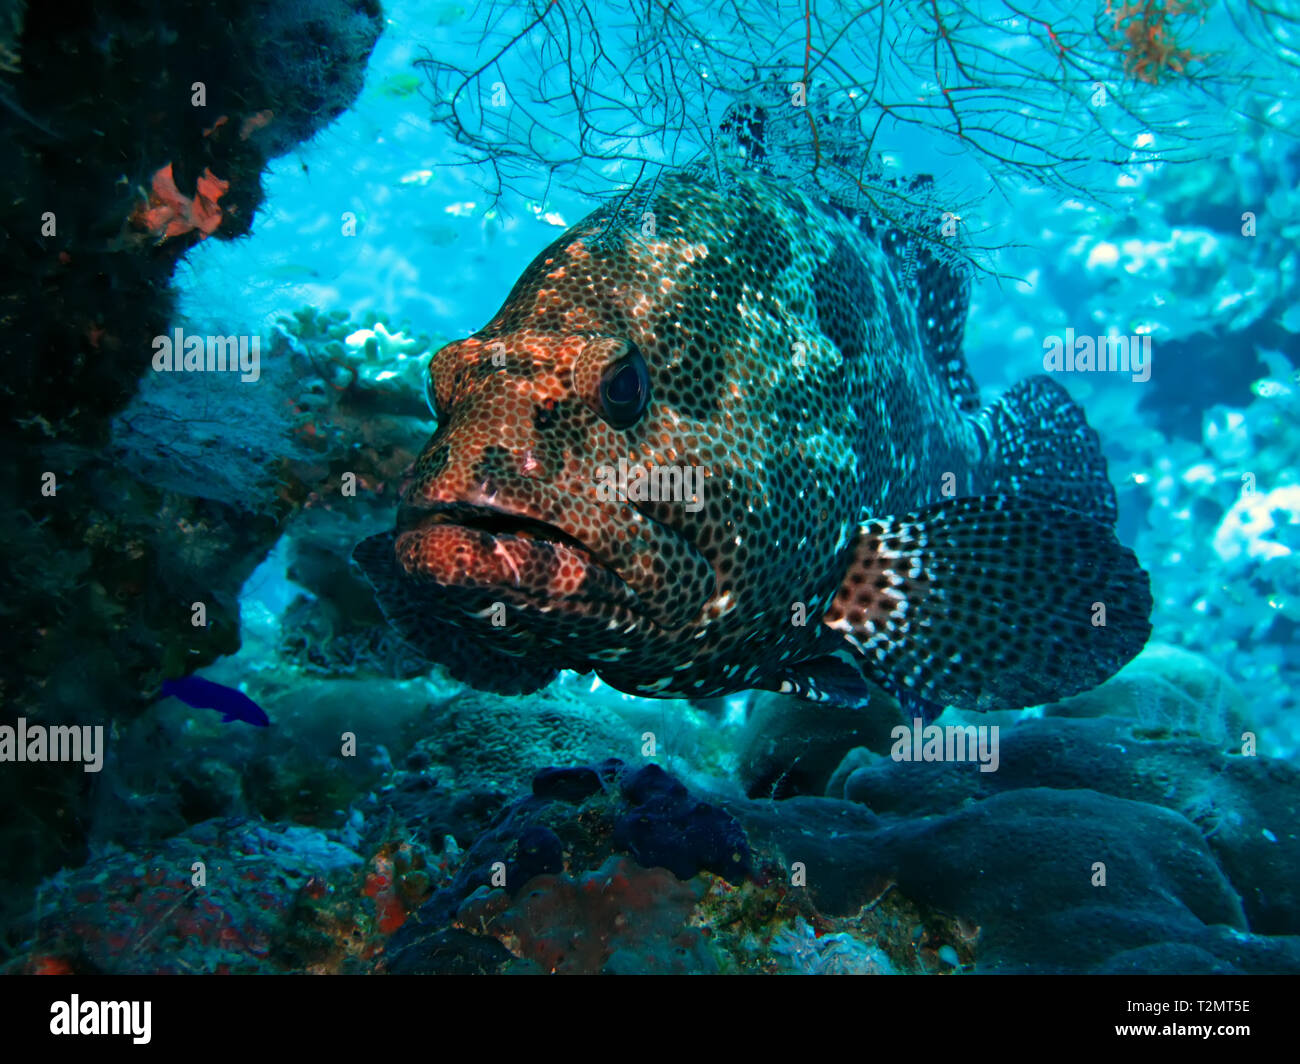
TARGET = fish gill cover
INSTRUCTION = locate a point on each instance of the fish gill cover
(651, 487)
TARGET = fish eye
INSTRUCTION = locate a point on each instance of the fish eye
(625, 389)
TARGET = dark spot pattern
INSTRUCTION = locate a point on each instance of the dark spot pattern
(845, 300)
(776, 376)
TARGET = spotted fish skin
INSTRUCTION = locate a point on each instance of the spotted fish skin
(858, 519)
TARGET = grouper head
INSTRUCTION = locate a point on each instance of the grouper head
(594, 486)
(516, 499)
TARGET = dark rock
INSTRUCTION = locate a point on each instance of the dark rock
(651, 782)
(684, 836)
(1247, 808)
(567, 784)
(538, 851)
(1020, 865)
(451, 952)
(113, 172)
(650, 816)
(791, 747)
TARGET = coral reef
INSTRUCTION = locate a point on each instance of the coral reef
(296, 770)
(1094, 848)
(486, 741)
(221, 898)
(602, 921)
(606, 868)
(1203, 261)
(800, 950)
(1246, 808)
(1167, 691)
(1221, 543)
(131, 134)
(393, 820)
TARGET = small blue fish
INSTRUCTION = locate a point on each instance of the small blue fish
(204, 694)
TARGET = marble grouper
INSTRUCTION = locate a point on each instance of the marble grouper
(738, 447)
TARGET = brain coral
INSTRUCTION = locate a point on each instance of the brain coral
(494, 742)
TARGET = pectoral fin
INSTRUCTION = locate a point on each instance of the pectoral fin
(991, 602)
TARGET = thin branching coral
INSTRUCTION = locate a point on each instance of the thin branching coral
(592, 97)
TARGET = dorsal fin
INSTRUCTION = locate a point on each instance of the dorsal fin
(942, 294)
(937, 280)
(902, 214)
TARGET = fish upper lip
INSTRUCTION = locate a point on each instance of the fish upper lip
(498, 520)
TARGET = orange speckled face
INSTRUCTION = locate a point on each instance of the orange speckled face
(506, 498)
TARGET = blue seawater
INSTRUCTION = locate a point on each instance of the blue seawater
(1104, 189)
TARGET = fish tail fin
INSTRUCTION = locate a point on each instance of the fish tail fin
(1038, 443)
(991, 602)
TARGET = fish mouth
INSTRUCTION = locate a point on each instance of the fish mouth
(498, 523)
(492, 552)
